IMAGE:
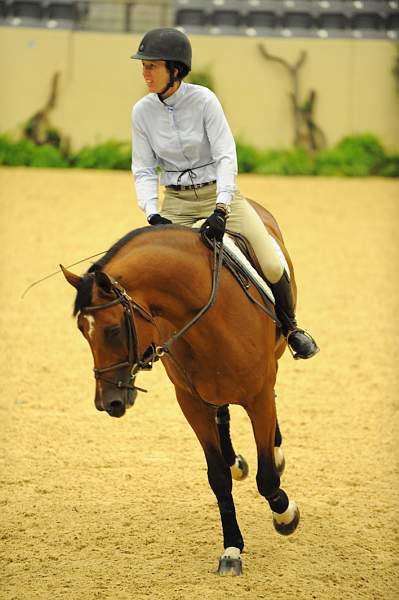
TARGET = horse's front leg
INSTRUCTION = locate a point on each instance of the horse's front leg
(202, 419)
(262, 412)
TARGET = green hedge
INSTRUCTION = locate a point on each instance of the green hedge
(110, 155)
(353, 156)
(26, 153)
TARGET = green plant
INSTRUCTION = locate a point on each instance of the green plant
(4, 146)
(16, 153)
(25, 153)
(356, 156)
(247, 157)
(109, 155)
(48, 156)
(286, 162)
(390, 168)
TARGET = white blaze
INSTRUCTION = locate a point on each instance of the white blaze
(90, 320)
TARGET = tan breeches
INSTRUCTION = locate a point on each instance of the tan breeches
(186, 208)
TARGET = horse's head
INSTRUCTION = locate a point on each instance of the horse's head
(105, 318)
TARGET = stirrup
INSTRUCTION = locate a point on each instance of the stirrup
(297, 355)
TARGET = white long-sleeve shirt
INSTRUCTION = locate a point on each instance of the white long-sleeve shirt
(188, 131)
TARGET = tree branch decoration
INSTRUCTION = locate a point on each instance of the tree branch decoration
(306, 133)
(38, 128)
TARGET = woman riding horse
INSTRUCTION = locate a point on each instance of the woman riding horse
(181, 128)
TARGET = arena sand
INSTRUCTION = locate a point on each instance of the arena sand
(93, 507)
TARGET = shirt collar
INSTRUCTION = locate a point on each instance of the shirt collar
(174, 98)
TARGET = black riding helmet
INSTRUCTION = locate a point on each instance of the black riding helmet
(170, 45)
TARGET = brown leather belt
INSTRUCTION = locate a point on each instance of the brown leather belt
(194, 186)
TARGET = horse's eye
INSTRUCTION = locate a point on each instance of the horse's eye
(112, 332)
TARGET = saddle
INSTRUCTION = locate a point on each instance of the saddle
(239, 257)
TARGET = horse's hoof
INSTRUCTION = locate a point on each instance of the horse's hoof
(240, 469)
(287, 522)
(279, 460)
(230, 563)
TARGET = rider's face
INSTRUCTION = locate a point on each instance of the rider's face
(156, 75)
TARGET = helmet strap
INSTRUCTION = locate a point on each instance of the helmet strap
(171, 83)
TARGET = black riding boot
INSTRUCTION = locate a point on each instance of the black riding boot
(301, 343)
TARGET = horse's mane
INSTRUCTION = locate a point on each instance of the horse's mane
(84, 294)
(83, 297)
(99, 264)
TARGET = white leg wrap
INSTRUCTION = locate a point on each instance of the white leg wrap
(287, 516)
(236, 472)
(278, 456)
(231, 552)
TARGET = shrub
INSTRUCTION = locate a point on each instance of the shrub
(16, 153)
(110, 155)
(390, 168)
(356, 156)
(4, 146)
(286, 162)
(25, 153)
(48, 156)
(359, 155)
(248, 158)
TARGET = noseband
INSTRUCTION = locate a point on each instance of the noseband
(133, 361)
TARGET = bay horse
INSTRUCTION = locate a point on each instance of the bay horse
(144, 300)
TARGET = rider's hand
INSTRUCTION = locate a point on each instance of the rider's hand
(156, 219)
(215, 225)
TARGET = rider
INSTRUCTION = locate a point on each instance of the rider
(181, 130)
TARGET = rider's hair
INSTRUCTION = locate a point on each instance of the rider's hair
(182, 70)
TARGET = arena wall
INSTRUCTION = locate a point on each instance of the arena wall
(99, 84)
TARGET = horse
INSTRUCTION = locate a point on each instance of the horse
(154, 296)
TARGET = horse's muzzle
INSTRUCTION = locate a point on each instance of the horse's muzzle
(114, 401)
(116, 408)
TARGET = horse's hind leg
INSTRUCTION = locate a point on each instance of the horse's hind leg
(237, 463)
(262, 413)
(279, 459)
(202, 419)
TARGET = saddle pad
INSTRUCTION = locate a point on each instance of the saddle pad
(235, 253)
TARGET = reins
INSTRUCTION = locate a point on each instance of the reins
(217, 265)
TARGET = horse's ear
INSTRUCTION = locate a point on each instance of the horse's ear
(103, 281)
(71, 278)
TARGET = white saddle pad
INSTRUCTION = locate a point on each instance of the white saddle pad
(236, 253)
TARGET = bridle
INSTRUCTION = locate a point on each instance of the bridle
(134, 361)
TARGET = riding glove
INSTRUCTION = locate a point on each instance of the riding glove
(156, 219)
(215, 225)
